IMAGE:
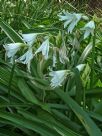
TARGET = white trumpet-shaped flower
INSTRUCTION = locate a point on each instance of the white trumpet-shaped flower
(26, 58)
(44, 48)
(12, 49)
(29, 38)
(89, 29)
(58, 77)
(71, 20)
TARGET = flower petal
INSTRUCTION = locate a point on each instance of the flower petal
(80, 67)
(89, 29)
(12, 49)
(26, 58)
(44, 48)
(71, 20)
(58, 77)
(90, 24)
(29, 38)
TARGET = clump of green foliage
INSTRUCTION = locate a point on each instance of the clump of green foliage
(50, 74)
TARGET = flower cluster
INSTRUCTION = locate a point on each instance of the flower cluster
(58, 77)
(29, 40)
(71, 20)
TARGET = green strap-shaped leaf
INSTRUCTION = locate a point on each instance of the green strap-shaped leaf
(87, 122)
(28, 124)
(13, 35)
(27, 92)
(85, 53)
(7, 132)
(52, 124)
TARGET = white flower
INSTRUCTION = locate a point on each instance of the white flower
(89, 29)
(29, 38)
(26, 58)
(71, 20)
(58, 77)
(63, 54)
(12, 49)
(44, 48)
(80, 67)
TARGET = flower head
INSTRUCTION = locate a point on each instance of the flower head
(44, 48)
(89, 29)
(58, 77)
(26, 58)
(71, 20)
(29, 38)
(12, 49)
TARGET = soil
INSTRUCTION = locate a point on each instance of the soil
(95, 4)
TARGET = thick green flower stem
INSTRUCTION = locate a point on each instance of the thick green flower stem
(92, 66)
(92, 62)
(79, 87)
(11, 77)
(84, 99)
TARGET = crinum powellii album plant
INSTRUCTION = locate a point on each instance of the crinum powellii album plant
(51, 96)
(67, 50)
